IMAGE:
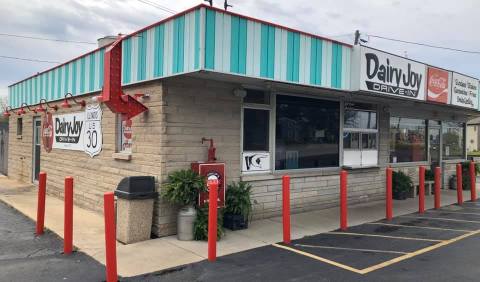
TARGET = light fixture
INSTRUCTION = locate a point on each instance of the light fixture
(22, 109)
(42, 109)
(7, 111)
(65, 103)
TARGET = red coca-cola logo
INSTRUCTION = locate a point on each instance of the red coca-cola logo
(47, 132)
(127, 129)
(437, 85)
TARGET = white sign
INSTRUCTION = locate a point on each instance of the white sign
(255, 161)
(92, 137)
(68, 129)
(464, 91)
(393, 75)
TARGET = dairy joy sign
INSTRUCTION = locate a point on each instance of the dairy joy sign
(464, 91)
(393, 75)
(80, 131)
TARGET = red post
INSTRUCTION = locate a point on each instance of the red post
(110, 237)
(459, 185)
(68, 217)
(421, 189)
(389, 205)
(42, 187)
(437, 187)
(212, 219)
(286, 208)
(343, 200)
(473, 180)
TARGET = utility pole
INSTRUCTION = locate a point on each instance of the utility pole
(357, 37)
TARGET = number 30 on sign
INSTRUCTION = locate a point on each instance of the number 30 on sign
(92, 141)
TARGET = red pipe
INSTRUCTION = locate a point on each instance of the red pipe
(459, 185)
(389, 205)
(421, 189)
(437, 187)
(343, 200)
(473, 180)
(110, 237)
(68, 219)
(286, 208)
(42, 187)
(212, 219)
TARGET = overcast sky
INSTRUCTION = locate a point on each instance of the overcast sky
(440, 22)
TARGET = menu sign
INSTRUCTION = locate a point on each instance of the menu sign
(464, 91)
(393, 75)
(438, 85)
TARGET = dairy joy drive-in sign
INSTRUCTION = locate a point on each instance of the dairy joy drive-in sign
(389, 74)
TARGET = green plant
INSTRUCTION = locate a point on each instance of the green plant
(429, 175)
(238, 199)
(200, 226)
(466, 174)
(183, 187)
(401, 182)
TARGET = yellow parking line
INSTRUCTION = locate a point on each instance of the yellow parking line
(441, 218)
(350, 249)
(384, 236)
(421, 227)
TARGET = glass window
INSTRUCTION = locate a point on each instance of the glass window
(255, 129)
(360, 116)
(351, 140)
(453, 140)
(307, 133)
(19, 126)
(369, 141)
(257, 97)
(407, 140)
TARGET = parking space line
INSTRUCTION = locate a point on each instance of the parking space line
(455, 212)
(442, 218)
(384, 236)
(421, 227)
(350, 249)
(331, 262)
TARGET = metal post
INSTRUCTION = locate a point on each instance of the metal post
(473, 180)
(438, 173)
(286, 208)
(68, 219)
(212, 219)
(110, 237)
(42, 187)
(459, 185)
(389, 204)
(421, 189)
(343, 200)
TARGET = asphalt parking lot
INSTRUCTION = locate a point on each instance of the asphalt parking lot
(439, 245)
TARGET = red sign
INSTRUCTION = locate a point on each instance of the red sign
(210, 170)
(437, 85)
(47, 132)
(127, 135)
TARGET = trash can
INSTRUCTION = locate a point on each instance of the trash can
(135, 208)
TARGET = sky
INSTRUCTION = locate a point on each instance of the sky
(439, 22)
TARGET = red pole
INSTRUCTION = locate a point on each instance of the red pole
(459, 185)
(42, 187)
(110, 237)
(473, 180)
(68, 219)
(286, 208)
(421, 189)
(212, 219)
(389, 205)
(437, 187)
(343, 200)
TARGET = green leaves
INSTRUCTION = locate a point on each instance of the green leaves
(183, 187)
(200, 226)
(401, 182)
(238, 199)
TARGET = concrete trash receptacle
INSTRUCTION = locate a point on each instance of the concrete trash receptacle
(135, 208)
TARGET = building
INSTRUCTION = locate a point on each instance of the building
(275, 101)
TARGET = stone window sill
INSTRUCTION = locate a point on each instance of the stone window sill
(19, 136)
(122, 156)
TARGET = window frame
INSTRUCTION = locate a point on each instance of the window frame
(427, 148)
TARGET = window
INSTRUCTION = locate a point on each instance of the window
(453, 140)
(307, 133)
(257, 97)
(407, 140)
(19, 126)
(255, 129)
(362, 116)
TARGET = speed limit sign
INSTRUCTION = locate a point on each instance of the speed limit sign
(92, 135)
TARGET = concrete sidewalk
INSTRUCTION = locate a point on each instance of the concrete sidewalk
(163, 253)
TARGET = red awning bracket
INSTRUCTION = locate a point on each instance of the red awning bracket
(112, 94)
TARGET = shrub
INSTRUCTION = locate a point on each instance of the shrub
(200, 226)
(183, 187)
(466, 174)
(401, 182)
(237, 200)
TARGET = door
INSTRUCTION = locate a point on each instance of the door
(37, 147)
(434, 140)
(3, 147)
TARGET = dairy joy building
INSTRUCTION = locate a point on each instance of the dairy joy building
(274, 101)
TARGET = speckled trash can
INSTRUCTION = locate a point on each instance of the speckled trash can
(134, 220)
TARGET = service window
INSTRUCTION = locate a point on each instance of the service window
(453, 140)
(407, 140)
(360, 134)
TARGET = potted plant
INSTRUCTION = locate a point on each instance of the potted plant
(401, 185)
(237, 206)
(182, 188)
(200, 229)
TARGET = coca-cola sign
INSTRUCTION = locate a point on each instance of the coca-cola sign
(438, 85)
(393, 75)
(47, 132)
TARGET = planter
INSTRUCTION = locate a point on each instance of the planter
(400, 195)
(234, 222)
(186, 218)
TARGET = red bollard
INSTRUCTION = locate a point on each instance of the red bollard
(421, 189)
(459, 185)
(286, 208)
(343, 200)
(68, 217)
(42, 189)
(473, 180)
(212, 218)
(110, 237)
(389, 205)
(437, 187)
